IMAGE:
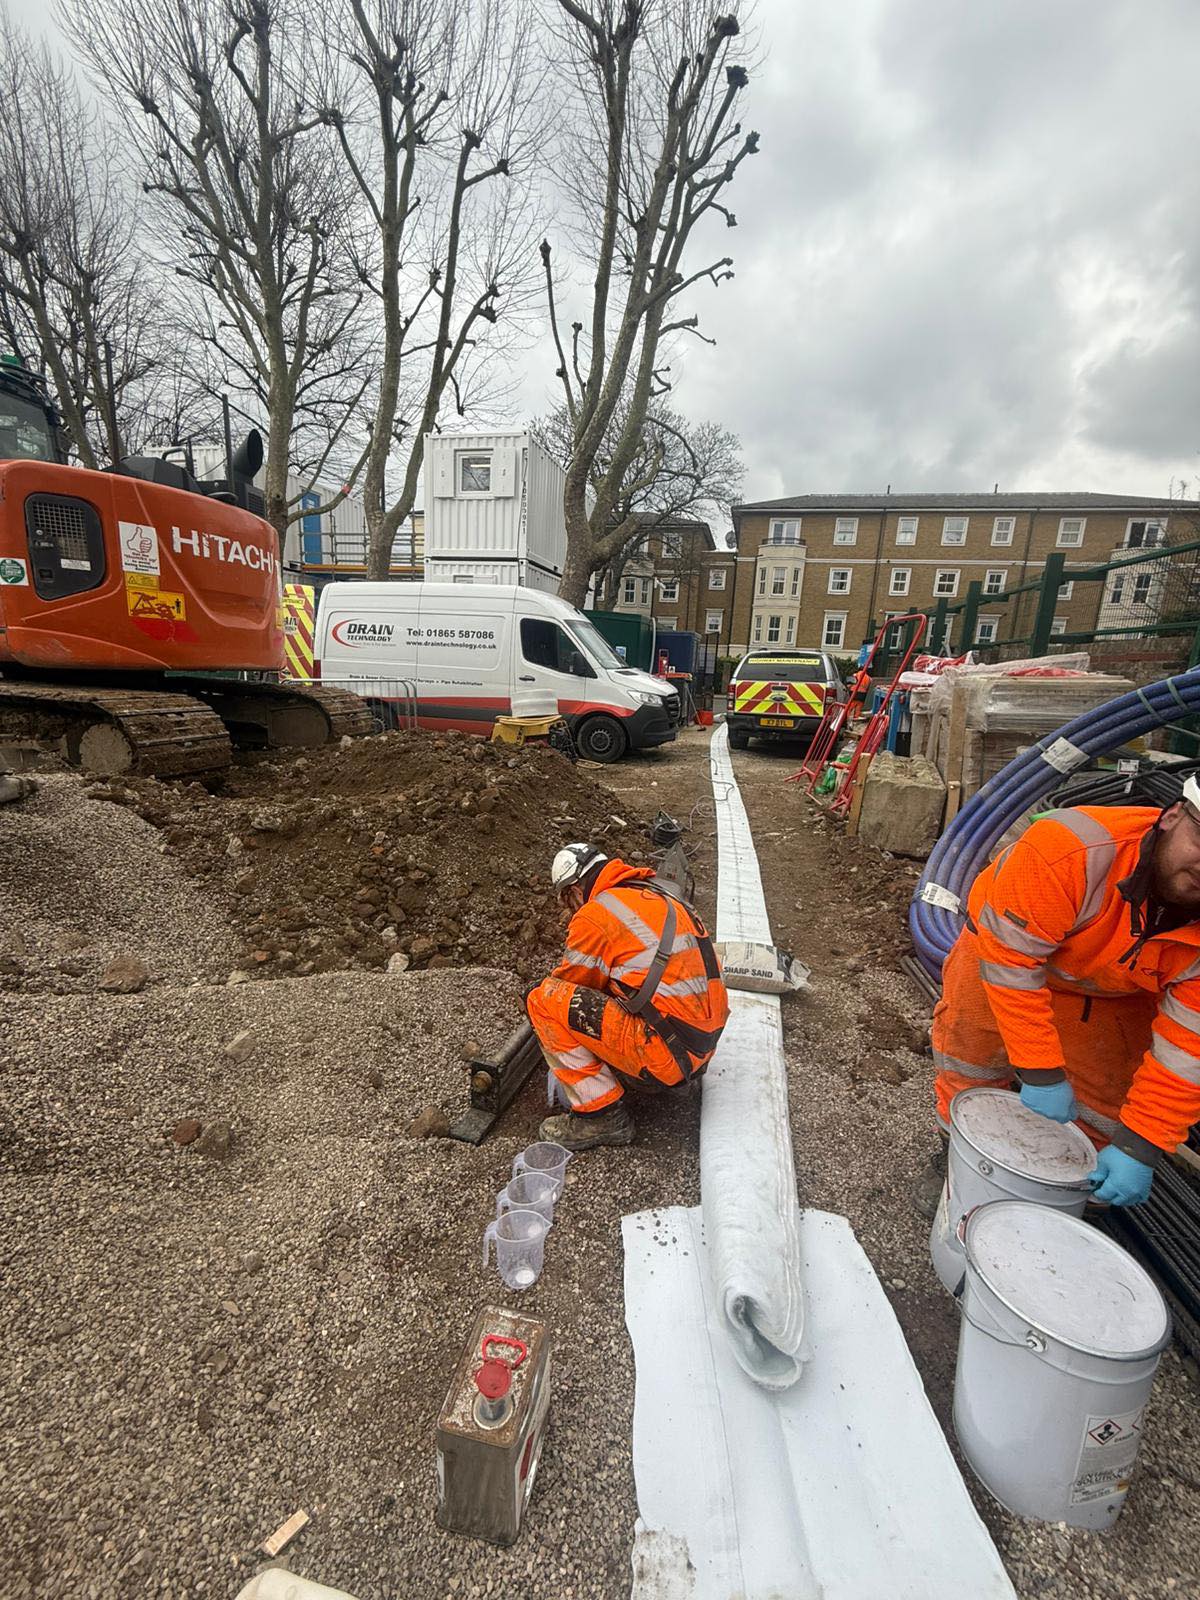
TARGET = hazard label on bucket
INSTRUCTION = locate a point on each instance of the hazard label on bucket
(1106, 1455)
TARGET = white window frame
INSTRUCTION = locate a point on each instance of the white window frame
(779, 526)
(762, 580)
(906, 529)
(954, 530)
(1116, 595)
(775, 627)
(796, 571)
(667, 624)
(461, 459)
(838, 620)
(1066, 590)
(629, 591)
(709, 625)
(758, 627)
(1146, 582)
(939, 593)
(992, 624)
(791, 629)
(716, 577)
(778, 581)
(995, 572)
(1003, 529)
(845, 530)
(645, 600)
(1058, 627)
(836, 573)
(900, 581)
(668, 589)
(1073, 543)
(1160, 523)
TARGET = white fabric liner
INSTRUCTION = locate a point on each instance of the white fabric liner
(839, 1488)
(751, 1485)
(747, 1179)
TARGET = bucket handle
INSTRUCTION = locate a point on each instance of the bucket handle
(1032, 1340)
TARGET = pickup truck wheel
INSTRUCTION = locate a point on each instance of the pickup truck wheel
(601, 739)
(738, 739)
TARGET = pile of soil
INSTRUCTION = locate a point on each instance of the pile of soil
(431, 848)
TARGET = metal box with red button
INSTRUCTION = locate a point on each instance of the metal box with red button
(490, 1432)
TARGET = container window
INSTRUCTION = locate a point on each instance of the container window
(474, 473)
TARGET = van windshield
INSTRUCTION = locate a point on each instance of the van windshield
(593, 642)
(786, 669)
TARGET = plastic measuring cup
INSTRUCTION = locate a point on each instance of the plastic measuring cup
(531, 1191)
(520, 1240)
(543, 1157)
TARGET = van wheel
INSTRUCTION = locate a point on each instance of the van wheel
(739, 739)
(601, 739)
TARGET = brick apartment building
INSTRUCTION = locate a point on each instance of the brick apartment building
(815, 570)
(682, 578)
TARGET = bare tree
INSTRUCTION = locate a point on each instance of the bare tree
(678, 472)
(76, 299)
(437, 133)
(654, 148)
(236, 145)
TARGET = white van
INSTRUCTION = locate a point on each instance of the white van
(475, 652)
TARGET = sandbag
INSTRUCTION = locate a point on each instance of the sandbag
(760, 968)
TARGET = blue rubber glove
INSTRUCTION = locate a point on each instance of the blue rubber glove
(1119, 1179)
(1053, 1100)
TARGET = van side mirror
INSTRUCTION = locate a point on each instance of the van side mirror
(577, 666)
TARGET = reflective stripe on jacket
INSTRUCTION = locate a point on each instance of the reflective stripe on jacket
(1050, 916)
(611, 945)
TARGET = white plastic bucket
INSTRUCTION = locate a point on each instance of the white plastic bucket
(999, 1150)
(277, 1584)
(1060, 1339)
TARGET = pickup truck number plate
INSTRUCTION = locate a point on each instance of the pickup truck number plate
(778, 722)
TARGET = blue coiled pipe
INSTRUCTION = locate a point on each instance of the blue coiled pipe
(966, 846)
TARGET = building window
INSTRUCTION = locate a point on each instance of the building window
(796, 571)
(954, 530)
(906, 530)
(762, 580)
(629, 592)
(758, 628)
(1117, 593)
(1066, 590)
(894, 638)
(945, 584)
(791, 630)
(1070, 531)
(716, 578)
(667, 624)
(714, 621)
(645, 591)
(833, 635)
(839, 580)
(778, 578)
(1002, 530)
(1149, 532)
(845, 530)
(785, 532)
(773, 629)
(994, 580)
(474, 473)
(986, 629)
(669, 588)
(900, 580)
(1141, 588)
(1058, 626)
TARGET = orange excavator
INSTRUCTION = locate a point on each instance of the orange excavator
(140, 610)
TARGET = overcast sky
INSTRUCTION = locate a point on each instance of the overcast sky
(967, 254)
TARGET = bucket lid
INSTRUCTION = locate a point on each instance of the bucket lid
(1066, 1279)
(998, 1126)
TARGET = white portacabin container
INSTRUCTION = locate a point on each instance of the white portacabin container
(1060, 1339)
(1000, 1150)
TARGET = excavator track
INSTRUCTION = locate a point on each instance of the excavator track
(114, 731)
(284, 715)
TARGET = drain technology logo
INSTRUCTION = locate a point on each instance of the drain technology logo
(355, 633)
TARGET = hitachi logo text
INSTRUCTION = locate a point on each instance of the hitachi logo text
(219, 547)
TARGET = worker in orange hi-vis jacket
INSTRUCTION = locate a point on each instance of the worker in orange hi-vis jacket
(1078, 974)
(636, 1003)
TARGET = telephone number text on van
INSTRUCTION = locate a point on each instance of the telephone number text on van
(417, 635)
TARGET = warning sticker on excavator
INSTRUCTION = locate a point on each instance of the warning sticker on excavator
(139, 547)
(141, 580)
(160, 603)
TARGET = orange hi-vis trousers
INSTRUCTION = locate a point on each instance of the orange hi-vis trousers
(1104, 1039)
(585, 1035)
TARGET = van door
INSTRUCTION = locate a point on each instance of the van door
(550, 667)
(463, 645)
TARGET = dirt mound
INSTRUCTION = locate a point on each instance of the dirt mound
(434, 848)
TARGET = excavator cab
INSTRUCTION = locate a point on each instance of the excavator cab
(29, 425)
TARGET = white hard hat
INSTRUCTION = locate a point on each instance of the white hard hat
(1191, 793)
(573, 863)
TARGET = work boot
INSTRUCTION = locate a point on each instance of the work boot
(927, 1190)
(580, 1130)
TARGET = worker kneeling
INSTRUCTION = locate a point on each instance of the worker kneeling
(636, 1003)
(1079, 972)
